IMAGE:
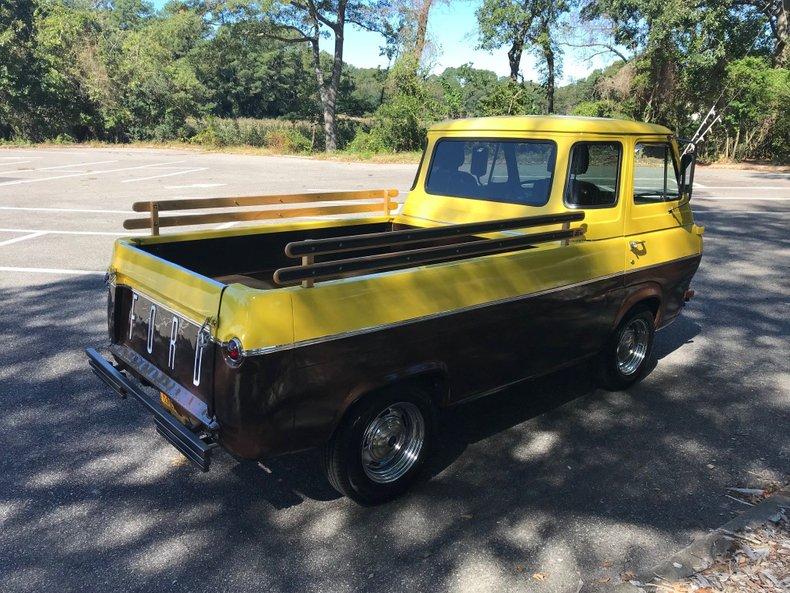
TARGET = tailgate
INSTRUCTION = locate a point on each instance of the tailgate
(163, 319)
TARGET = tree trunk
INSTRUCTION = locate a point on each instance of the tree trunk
(515, 51)
(328, 89)
(326, 105)
(548, 54)
(424, 8)
(782, 34)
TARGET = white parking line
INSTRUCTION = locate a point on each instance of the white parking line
(89, 210)
(164, 175)
(746, 187)
(195, 185)
(25, 238)
(18, 181)
(57, 232)
(74, 165)
(60, 271)
(14, 163)
(743, 198)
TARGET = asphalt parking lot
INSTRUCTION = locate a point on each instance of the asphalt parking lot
(551, 478)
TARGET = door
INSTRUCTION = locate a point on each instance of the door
(657, 229)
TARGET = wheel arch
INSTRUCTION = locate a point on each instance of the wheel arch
(648, 294)
(432, 377)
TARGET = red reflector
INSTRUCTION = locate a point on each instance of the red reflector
(233, 350)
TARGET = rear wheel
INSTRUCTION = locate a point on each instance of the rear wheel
(625, 358)
(381, 445)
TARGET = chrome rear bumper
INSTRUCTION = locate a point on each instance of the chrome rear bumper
(197, 448)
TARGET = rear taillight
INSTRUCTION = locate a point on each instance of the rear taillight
(234, 353)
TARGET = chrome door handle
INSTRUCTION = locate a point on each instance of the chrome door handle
(635, 244)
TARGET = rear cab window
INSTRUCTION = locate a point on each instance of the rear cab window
(655, 173)
(511, 171)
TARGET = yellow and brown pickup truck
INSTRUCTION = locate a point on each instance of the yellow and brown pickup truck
(526, 244)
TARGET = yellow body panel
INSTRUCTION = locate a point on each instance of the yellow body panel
(265, 319)
(192, 295)
(359, 303)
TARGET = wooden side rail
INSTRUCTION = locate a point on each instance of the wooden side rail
(310, 272)
(316, 247)
(319, 204)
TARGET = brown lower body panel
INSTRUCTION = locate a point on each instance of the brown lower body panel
(293, 399)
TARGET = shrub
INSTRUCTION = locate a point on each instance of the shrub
(287, 140)
(366, 143)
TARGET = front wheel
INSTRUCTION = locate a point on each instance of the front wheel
(381, 445)
(625, 358)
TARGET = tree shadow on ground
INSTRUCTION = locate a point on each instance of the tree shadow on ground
(550, 476)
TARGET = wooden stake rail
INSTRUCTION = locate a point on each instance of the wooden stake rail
(318, 204)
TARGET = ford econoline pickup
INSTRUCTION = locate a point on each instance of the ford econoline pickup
(345, 322)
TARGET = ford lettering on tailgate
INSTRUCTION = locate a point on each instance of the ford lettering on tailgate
(180, 349)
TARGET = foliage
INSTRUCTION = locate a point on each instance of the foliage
(600, 108)
(511, 98)
(757, 121)
(401, 122)
(289, 140)
(215, 73)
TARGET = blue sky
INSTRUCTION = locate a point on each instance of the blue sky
(452, 32)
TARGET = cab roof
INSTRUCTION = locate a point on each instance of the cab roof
(550, 123)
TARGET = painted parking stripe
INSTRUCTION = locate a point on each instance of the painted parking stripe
(58, 232)
(74, 165)
(24, 238)
(744, 198)
(12, 164)
(19, 181)
(88, 210)
(164, 175)
(59, 271)
(195, 185)
(746, 187)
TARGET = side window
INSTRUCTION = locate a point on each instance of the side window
(655, 174)
(593, 175)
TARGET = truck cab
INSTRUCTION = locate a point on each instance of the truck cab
(525, 245)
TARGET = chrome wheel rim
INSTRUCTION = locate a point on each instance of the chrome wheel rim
(392, 442)
(632, 346)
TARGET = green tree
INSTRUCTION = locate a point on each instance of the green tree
(22, 98)
(402, 121)
(292, 21)
(525, 24)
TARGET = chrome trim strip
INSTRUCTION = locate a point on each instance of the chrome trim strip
(367, 330)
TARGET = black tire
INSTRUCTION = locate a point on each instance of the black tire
(343, 455)
(611, 372)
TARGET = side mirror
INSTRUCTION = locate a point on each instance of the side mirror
(479, 163)
(688, 163)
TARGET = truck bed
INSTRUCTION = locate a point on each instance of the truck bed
(251, 259)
